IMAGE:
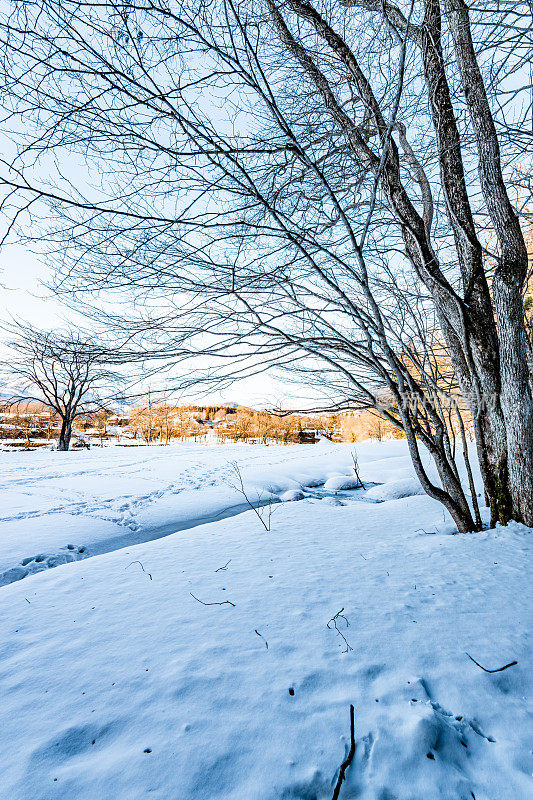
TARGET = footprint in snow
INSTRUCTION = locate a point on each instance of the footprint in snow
(40, 562)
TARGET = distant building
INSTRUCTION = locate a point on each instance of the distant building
(308, 436)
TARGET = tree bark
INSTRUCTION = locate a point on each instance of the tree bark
(467, 322)
(510, 274)
(65, 434)
(451, 496)
(475, 349)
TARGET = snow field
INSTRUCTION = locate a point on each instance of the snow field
(118, 684)
(60, 507)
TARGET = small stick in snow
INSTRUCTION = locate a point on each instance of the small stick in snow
(500, 669)
(143, 569)
(223, 603)
(346, 763)
(340, 615)
(360, 484)
(220, 569)
(265, 518)
(262, 637)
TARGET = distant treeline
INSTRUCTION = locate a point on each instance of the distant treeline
(161, 423)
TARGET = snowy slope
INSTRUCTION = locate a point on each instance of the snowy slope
(117, 684)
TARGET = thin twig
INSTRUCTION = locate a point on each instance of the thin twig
(143, 569)
(223, 603)
(355, 460)
(346, 763)
(340, 615)
(262, 637)
(264, 517)
(500, 669)
(224, 567)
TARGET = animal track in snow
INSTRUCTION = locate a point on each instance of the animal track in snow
(40, 562)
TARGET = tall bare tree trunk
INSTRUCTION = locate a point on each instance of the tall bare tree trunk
(510, 274)
(487, 354)
(452, 495)
(467, 322)
(65, 434)
(474, 348)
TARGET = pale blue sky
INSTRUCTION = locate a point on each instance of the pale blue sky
(24, 295)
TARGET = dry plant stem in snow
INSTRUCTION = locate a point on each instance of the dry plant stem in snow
(142, 567)
(264, 515)
(349, 758)
(340, 615)
(491, 671)
(355, 460)
(221, 603)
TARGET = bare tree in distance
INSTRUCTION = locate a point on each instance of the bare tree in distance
(269, 170)
(65, 372)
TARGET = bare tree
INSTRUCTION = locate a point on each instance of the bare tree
(64, 372)
(269, 170)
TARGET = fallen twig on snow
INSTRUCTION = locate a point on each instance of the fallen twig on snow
(349, 758)
(224, 567)
(500, 669)
(340, 615)
(222, 603)
(262, 637)
(143, 569)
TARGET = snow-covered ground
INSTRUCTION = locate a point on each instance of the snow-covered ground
(200, 664)
(55, 505)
